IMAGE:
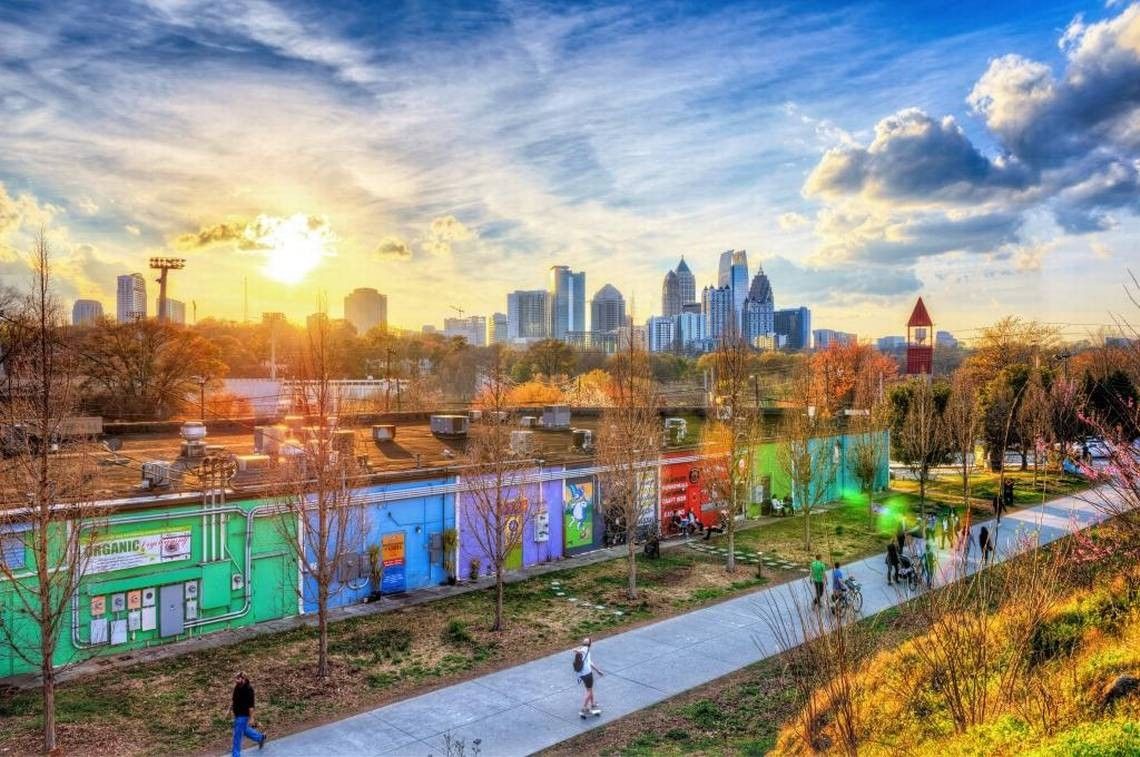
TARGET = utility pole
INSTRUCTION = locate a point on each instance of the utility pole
(163, 266)
(388, 381)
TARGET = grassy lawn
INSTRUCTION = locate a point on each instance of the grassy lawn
(181, 704)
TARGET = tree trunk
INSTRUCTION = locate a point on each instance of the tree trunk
(922, 494)
(1024, 459)
(965, 483)
(730, 527)
(47, 688)
(498, 598)
(807, 524)
(323, 630)
(631, 553)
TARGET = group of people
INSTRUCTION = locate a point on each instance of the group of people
(818, 576)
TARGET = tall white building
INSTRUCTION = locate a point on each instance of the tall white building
(130, 298)
(499, 328)
(473, 329)
(660, 333)
(758, 316)
(720, 319)
(366, 309)
(175, 310)
(528, 315)
(686, 283)
(84, 312)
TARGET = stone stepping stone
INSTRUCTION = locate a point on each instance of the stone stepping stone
(618, 612)
(559, 593)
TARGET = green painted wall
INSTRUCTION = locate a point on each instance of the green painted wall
(134, 559)
(765, 463)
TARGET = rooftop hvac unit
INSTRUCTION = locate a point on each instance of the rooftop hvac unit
(384, 432)
(475, 415)
(528, 421)
(676, 429)
(253, 463)
(193, 431)
(556, 417)
(522, 442)
(449, 425)
(158, 474)
(583, 439)
(194, 449)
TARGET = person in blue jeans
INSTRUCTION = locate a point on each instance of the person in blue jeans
(243, 715)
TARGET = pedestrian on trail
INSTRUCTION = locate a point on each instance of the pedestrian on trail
(818, 569)
(242, 707)
(985, 545)
(892, 563)
(1007, 494)
(931, 522)
(929, 561)
(585, 668)
(900, 533)
(944, 524)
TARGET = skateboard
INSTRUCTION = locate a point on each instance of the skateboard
(596, 712)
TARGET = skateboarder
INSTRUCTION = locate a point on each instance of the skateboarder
(585, 668)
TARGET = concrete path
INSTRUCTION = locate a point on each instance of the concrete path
(533, 706)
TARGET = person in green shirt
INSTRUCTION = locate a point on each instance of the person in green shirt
(817, 572)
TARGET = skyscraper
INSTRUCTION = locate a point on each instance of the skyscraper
(671, 295)
(607, 310)
(758, 316)
(689, 332)
(566, 301)
(794, 324)
(824, 338)
(732, 272)
(84, 312)
(528, 315)
(499, 328)
(660, 333)
(130, 298)
(175, 310)
(686, 282)
(366, 309)
(720, 321)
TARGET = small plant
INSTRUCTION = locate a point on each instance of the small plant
(473, 568)
(457, 633)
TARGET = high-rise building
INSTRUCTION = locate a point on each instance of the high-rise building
(824, 338)
(689, 332)
(732, 272)
(607, 310)
(686, 282)
(671, 301)
(720, 322)
(473, 329)
(85, 312)
(660, 332)
(693, 307)
(794, 326)
(130, 298)
(366, 309)
(499, 328)
(758, 315)
(891, 343)
(567, 301)
(528, 315)
(175, 310)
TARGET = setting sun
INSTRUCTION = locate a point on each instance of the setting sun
(293, 247)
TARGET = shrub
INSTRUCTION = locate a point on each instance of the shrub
(1107, 738)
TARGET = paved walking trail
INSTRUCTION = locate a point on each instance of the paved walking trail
(529, 707)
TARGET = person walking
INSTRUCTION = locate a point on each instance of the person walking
(900, 533)
(984, 544)
(944, 524)
(892, 563)
(242, 708)
(818, 569)
(1007, 494)
(929, 561)
(585, 668)
(838, 588)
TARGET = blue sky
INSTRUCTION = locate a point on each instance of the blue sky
(447, 153)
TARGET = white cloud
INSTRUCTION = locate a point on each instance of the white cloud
(790, 221)
(131, 229)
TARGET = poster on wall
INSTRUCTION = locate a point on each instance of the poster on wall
(578, 520)
(542, 526)
(98, 606)
(394, 580)
(646, 501)
(134, 599)
(120, 552)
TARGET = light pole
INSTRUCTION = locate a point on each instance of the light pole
(202, 396)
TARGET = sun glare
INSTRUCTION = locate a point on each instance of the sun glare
(293, 247)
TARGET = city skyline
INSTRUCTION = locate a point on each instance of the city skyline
(809, 165)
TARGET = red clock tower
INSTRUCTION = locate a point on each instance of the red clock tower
(919, 342)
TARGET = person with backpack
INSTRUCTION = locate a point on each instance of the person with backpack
(585, 668)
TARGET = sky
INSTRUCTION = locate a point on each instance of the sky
(447, 153)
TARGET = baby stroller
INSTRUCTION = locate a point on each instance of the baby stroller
(908, 572)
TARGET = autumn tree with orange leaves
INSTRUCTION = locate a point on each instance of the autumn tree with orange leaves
(850, 376)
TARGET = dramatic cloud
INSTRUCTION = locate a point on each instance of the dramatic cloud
(393, 247)
(209, 236)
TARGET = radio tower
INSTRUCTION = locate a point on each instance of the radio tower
(163, 265)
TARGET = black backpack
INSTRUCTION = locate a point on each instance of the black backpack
(579, 661)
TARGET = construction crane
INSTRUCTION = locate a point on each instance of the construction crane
(163, 265)
(457, 309)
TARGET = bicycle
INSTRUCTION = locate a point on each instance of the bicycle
(849, 602)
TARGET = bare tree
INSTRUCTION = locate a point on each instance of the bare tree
(1034, 421)
(727, 438)
(314, 484)
(629, 437)
(48, 518)
(963, 419)
(921, 437)
(494, 509)
(804, 453)
(869, 450)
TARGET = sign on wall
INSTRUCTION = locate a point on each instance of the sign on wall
(578, 519)
(394, 579)
(137, 550)
(542, 526)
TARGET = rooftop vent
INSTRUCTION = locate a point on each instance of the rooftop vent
(193, 431)
(522, 442)
(528, 421)
(556, 417)
(449, 425)
(582, 439)
(384, 432)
